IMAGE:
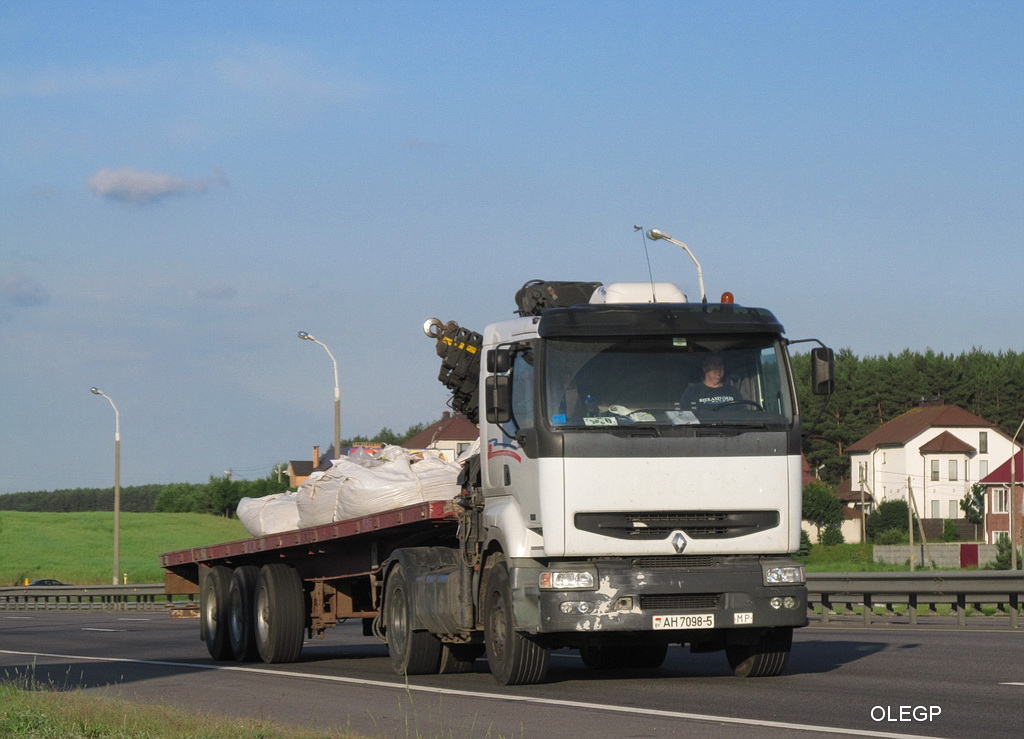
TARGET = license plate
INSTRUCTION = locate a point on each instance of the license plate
(689, 621)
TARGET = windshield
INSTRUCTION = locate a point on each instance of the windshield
(667, 381)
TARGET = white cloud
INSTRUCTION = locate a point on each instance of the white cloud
(133, 186)
(21, 291)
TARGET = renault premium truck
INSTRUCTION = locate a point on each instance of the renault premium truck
(625, 498)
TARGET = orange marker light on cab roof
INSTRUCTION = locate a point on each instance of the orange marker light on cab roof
(727, 297)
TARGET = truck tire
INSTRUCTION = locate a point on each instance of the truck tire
(412, 652)
(514, 658)
(213, 609)
(459, 658)
(280, 613)
(241, 613)
(765, 658)
(621, 656)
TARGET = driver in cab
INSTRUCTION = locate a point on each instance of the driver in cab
(713, 391)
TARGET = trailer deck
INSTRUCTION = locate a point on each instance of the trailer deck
(320, 553)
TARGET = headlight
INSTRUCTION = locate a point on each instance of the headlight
(566, 580)
(784, 575)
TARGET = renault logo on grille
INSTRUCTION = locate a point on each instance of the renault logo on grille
(679, 542)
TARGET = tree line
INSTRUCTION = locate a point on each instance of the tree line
(873, 390)
(218, 496)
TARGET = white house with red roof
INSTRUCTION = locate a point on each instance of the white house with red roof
(451, 436)
(935, 451)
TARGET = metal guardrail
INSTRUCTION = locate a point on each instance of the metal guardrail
(831, 594)
(88, 597)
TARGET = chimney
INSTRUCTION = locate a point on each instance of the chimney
(316, 457)
(446, 415)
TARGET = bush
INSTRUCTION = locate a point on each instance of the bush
(949, 531)
(1002, 561)
(805, 544)
(892, 536)
(831, 536)
(891, 514)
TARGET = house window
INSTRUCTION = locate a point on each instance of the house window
(461, 448)
(982, 469)
(1000, 500)
(983, 442)
(996, 535)
(935, 470)
(936, 510)
(952, 470)
(954, 509)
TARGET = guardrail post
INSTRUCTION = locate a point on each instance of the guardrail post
(868, 606)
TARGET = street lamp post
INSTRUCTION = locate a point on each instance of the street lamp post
(117, 484)
(1013, 510)
(654, 234)
(337, 392)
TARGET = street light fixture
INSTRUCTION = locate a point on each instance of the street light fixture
(117, 483)
(654, 234)
(337, 392)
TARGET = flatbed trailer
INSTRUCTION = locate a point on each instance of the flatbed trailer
(315, 576)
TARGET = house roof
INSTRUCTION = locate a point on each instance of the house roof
(1001, 474)
(451, 427)
(902, 429)
(946, 443)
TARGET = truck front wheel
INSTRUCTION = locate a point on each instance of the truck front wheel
(767, 657)
(242, 619)
(214, 607)
(412, 652)
(514, 658)
(280, 613)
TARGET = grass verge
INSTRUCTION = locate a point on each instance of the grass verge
(32, 711)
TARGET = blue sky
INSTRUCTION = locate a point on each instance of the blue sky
(187, 185)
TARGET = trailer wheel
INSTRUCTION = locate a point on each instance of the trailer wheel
(241, 613)
(458, 658)
(514, 658)
(214, 607)
(765, 658)
(621, 656)
(412, 652)
(280, 613)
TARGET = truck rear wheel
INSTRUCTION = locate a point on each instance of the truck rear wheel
(241, 613)
(214, 607)
(412, 652)
(280, 613)
(767, 657)
(514, 658)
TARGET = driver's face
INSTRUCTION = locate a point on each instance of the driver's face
(713, 373)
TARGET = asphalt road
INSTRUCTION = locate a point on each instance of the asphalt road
(931, 681)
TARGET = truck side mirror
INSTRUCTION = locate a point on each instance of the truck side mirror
(499, 360)
(823, 371)
(498, 392)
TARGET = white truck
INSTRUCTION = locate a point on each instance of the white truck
(604, 512)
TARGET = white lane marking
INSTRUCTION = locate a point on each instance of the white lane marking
(406, 687)
(96, 628)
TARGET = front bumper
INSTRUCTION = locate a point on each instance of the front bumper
(672, 600)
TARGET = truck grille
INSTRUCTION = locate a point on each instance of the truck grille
(679, 602)
(649, 525)
(679, 562)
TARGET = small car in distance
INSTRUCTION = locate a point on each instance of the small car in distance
(46, 581)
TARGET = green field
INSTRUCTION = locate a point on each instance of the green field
(78, 548)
